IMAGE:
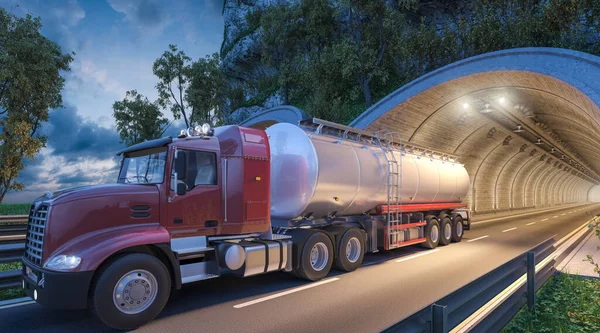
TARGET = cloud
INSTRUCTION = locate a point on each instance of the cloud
(74, 139)
(143, 14)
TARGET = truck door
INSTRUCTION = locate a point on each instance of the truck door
(196, 209)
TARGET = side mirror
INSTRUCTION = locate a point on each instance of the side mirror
(181, 165)
(181, 188)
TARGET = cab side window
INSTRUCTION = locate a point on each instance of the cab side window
(201, 169)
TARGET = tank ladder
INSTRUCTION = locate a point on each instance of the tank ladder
(393, 142)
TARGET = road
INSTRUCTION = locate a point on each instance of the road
(387, 288)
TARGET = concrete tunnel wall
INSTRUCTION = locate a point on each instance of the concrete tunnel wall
(554, 93)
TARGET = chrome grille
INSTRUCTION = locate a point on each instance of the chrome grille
(34, 243)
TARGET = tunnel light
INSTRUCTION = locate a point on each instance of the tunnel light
(502, 100)
(465, 106)
(562, 157)
(539, 142)
(519, 129)
(486, 109)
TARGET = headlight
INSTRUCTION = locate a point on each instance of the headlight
(63, 263)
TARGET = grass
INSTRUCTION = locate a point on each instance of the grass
(14, 209)
(567, 303)
(15, 292)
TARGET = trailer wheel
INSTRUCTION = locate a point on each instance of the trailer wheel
(457, 228)
(350, 250)
(445, 230)
(432, 233)
(316, 257)
(130, 291)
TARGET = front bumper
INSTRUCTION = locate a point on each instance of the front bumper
(60, 290)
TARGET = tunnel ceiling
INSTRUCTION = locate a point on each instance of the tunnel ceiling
(546, 108)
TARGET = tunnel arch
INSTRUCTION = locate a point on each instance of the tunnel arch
(553, 94)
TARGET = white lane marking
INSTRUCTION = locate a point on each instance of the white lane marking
(16, 304)
(287, 292)
(555, 216)
(544, 220)
(531, 223)
(511, 229)
(563, 214)
(570, 212)
(476, 239)
(417, 255)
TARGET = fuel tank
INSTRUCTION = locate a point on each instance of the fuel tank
(320, 175)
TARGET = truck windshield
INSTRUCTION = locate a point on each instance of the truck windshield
(143, 167)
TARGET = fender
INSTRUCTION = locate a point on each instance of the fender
(95, 247)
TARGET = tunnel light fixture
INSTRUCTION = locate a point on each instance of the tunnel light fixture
(486, 109)
(552, 150)
(562, 157)
(539, 142)
(465, 106)
(501, 99)
(519, 129)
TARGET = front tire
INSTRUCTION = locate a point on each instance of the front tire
(316, 257)
(130, 291)
(432, 233)
(445, 230)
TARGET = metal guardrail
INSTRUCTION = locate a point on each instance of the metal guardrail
(488, 303)
(12, 235)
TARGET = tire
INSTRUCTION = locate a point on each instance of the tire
(350, 250)
(432, 225)
(319, 245)
(457, 228)
(105, 288)
(445, 230)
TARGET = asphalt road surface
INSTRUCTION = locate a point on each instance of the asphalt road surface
(388, 287)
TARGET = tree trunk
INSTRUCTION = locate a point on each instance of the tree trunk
(364, 86)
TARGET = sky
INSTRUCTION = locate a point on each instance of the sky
(115, 43)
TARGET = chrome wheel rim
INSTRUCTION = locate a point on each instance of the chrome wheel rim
(135, 291)
(353, 249)
(459, 228)
(319, 256)
(448, 230)
(435, 233)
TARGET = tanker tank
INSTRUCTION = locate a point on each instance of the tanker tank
(320, 175)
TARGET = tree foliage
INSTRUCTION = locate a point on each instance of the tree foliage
(138, 119)
(336, 58)
(190, 90)
(30, 85)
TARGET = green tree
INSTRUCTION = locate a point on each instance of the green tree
(138, 119)
(30, 85)
(192, 90)
(207, 89)
(172, 68)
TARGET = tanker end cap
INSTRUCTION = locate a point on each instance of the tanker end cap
(231, 256)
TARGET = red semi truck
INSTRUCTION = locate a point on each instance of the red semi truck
(234, 200)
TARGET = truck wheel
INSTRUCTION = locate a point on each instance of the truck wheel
(130, 291)
(350, 250)
(457, 228)
(316, 257)
(446, 231)
(432, 233)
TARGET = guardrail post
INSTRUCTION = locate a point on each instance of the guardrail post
(531, 280)
(440, 319)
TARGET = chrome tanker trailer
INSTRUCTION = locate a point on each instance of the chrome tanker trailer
(241, 201)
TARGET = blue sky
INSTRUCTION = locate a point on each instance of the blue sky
(116, 42)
